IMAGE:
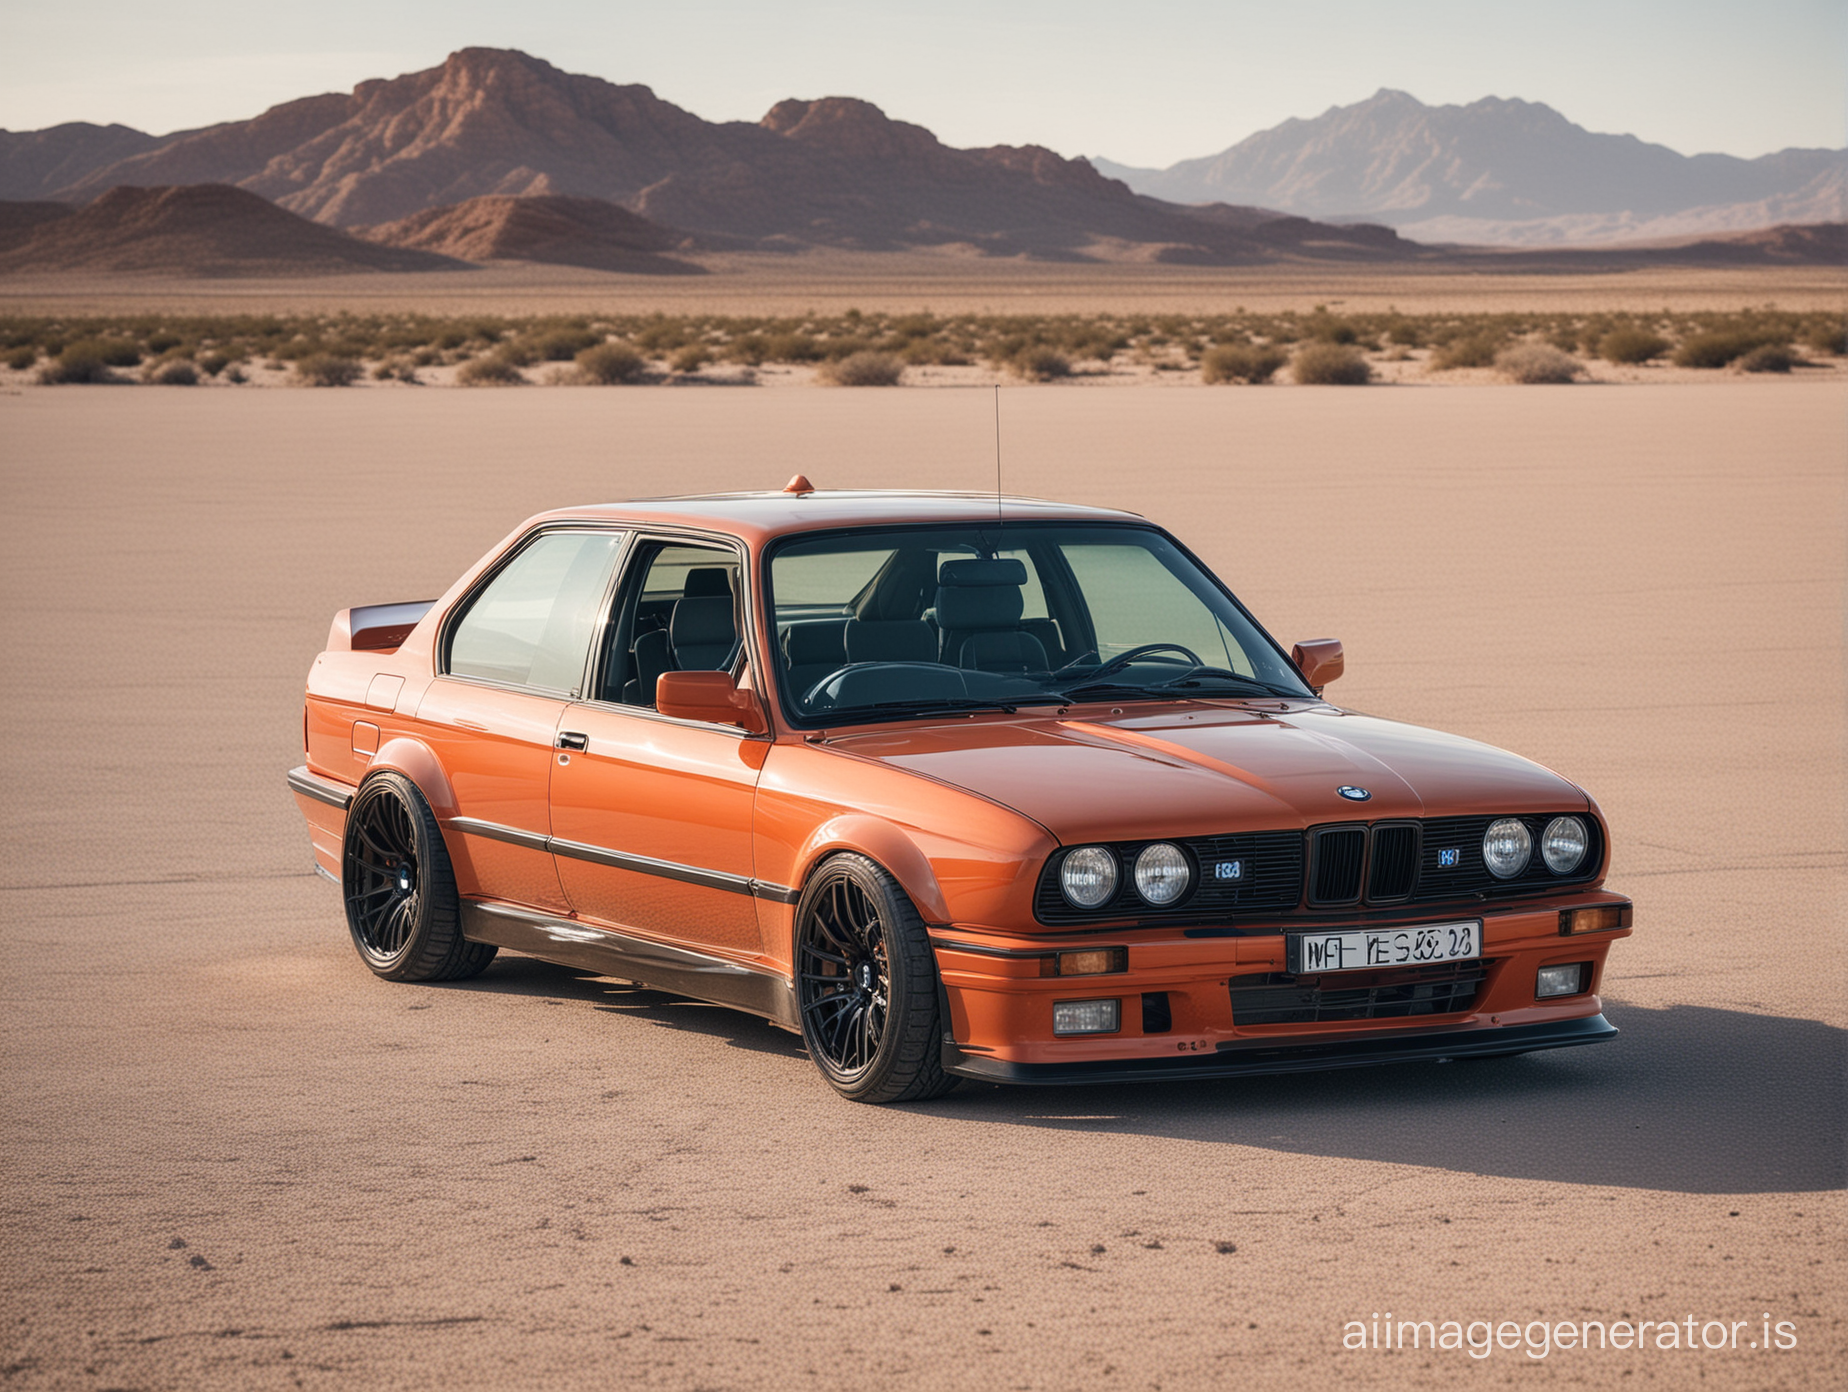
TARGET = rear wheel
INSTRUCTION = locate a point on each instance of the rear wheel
(401, 901)
(866, 982)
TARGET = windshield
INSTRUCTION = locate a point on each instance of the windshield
(886, 623)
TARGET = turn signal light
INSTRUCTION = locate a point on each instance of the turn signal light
(1092, 961)
(1600, 919)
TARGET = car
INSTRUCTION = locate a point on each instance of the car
(954, 786)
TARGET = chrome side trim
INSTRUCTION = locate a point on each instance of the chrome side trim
(609, 953)
(494, 831)
(313, 785)
(648, 865)
(623, 860)
(325, 873)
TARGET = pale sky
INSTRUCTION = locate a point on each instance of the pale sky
(1145, 83)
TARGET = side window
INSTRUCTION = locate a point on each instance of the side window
(678, 612)
(532, 625)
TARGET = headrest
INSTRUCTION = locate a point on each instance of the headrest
(701, 621)
(895, 640)
(705, 581)
(808, 643)
(1004, 572)
(979, 606)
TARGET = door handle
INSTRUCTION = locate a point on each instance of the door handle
(571, 739)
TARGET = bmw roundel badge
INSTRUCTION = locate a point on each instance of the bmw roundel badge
(1353, 794)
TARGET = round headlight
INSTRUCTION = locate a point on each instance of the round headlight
(1162, 873)
(1507, 846)
(1562, 845)
(1089, 877)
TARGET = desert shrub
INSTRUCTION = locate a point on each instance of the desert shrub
(1537, 363)
(494, 370)
(1325, 328)
(609, 364)
(690, 358)
(327, 370)
(1768, 357)
(175, 372)
(1330, 365)
(751, 349)
(1828, 338)
(662, 336)
(562, 345)
(161, 341)
(211, 364)
(1040, 364)
(1472, 350)
(1717, 348)
(234, 373)
(78, 363)
(864, 369)
(1235, 362)
(1631, 345)
(397, 368)
(19, 359)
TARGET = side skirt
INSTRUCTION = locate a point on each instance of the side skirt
(607, 953)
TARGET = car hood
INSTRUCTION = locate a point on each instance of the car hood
(1216, 769)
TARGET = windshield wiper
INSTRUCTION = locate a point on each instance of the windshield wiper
(1219, 674)
(947, 703)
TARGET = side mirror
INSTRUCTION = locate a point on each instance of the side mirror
(1319, 660)
(709, 696)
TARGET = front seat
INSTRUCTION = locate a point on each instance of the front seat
(703, 634)
(979, 604)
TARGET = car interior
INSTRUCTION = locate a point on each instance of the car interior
(681, 617)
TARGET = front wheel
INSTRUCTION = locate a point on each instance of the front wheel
(866, 982)
(401, 902)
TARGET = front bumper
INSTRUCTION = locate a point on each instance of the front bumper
(1250, 1057)
(1185, 989)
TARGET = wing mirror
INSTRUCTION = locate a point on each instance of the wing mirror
(709, 696)
(1319, 660)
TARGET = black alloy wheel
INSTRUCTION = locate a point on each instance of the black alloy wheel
(400, 892)
(866, 984)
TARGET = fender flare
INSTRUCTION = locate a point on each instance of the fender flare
(417, 762)
(885, 844)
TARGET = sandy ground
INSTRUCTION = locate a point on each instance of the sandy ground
(234, 1159)
(830, 282)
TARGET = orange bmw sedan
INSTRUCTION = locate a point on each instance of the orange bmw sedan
(954, 786)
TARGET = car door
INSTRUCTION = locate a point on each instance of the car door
(512, 658)
(651, 816)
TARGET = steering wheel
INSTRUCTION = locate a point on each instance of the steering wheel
(1122, 660)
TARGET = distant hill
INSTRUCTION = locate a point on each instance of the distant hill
(41, 163)
(835, 172)
(1498, 171)
(545, 228)
(196, 230)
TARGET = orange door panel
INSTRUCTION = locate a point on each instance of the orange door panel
(496, 746)
(651, 821)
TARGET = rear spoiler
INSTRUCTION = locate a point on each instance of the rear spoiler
(375, 627)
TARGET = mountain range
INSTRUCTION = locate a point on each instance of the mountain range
(835, 172)
(494, 155)
(1498, 172)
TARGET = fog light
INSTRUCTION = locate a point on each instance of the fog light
(1094, 961)
(1086, 1017)
(1561, 981)
(1601, 919)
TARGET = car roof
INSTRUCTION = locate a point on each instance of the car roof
(759, 517)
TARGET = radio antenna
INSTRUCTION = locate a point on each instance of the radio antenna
(998, 516)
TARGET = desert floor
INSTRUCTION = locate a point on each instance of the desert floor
(831, 282)
(234, 1159)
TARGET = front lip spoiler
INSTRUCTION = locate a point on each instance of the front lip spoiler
(1250, 1057)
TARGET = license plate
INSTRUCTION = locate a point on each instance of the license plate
(1363, 949)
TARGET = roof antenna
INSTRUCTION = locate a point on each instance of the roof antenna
(998, 516)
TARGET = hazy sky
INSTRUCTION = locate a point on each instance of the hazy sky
(1144, 83)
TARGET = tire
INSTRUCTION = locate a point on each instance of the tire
(400, 893)
(866, 986)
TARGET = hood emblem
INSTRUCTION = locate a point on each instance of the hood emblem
(1353, 794)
